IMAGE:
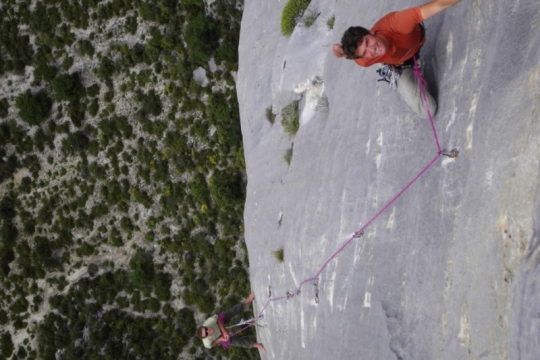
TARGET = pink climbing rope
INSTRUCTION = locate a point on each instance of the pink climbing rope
(421, 84)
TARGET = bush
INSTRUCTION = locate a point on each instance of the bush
(288, 155)
(6, 344)
(151, 103)
(278, 255)
(292, 10)
(4, 108)
(201, 37)
(142, 266)
(226, 189)
(331, 21)
(270, 116)
(199, 189)
(33, 109)
(67, 87)
(290, 119)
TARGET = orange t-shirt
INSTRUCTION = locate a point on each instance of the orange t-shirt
(401, 30)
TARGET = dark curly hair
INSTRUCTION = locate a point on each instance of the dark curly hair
(350, 40)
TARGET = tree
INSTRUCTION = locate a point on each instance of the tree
(201, 36)
(226, 189)
(4, 108)
(142, 266)
(6, 344)
(33, 109)
(67, 87)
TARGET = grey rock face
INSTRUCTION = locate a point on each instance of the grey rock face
(448, 271)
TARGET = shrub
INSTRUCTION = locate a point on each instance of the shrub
(292, 10)
(309, 17)
(331, 21)
(201, 36)
(226, 189)
(142, 266)
(270, 116)
(290, 119)
(199, 189)
(46, 72)
(278, 255)
(67, 87)
(288, 155)
(33, 109)
(151, 103)
(6, 345)
(86, 48)
(4, 107)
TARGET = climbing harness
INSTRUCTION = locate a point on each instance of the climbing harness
(358, 234)
(391, 73)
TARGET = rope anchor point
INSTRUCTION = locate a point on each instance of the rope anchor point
(452, 154)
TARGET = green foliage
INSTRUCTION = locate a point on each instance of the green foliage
(151, 103)
(270, 116)
(7, 166)
(199, 188)
(331, 21)
(201, 37)
(290, 119)
(278, 255)
(4, 108)
(106, 69)
(45, 72)
(292, 10)
(131, 24)
(75, 142)
(86, 48)
(67, 87)
(6, 344)
(226, 189)
(309, 17)
(33, 108)
(84, 199)
(142, 269)
(288, 155)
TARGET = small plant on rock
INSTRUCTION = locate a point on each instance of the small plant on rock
(290, 119)
(270, 116)
(309, 17)
(292, 14)
(288, 155)
(278, 255)
(331, 21)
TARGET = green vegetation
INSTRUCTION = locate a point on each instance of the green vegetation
(278, 255)
(288, 155)
(290, 118)
(270, 116)
(292, 11)
(122, 187)
(331, 21)
(309, 17)
(33, 108)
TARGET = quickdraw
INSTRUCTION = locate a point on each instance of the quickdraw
(452, 154)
